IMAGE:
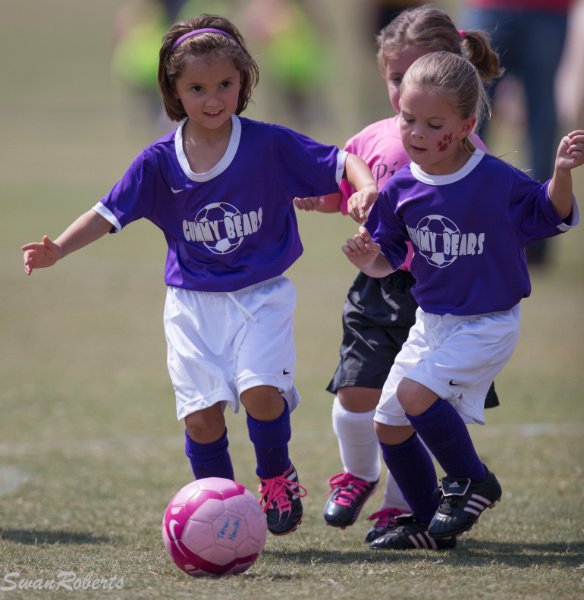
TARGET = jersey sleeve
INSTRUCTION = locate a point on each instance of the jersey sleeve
(345, 188)
(388, 231)
(307, 167)
(131, 197)
(533, 212)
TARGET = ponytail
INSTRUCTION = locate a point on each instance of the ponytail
(478, 50)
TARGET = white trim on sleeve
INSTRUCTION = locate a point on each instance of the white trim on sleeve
(341, 160)
(108, 215)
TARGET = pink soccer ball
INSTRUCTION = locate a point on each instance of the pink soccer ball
(214, 526)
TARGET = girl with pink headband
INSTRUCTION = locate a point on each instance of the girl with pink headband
(221, 189)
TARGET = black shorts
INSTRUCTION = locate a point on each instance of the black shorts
(377, 317)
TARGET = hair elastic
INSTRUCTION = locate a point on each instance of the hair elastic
(462, 33)
(190, 34)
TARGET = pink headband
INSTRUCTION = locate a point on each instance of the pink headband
(190, 34)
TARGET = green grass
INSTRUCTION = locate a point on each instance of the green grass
(90, 451)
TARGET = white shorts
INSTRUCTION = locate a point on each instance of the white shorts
(455, 357)
(223, 343)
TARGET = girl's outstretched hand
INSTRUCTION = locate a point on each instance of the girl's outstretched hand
(571, 150)
(38, 255)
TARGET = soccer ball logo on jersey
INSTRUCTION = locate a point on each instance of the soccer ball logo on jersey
(221, 227)
(440, 242)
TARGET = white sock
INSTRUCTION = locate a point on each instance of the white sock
(392, 496)
(358, 444)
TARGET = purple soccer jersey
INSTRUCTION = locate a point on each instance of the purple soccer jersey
(235, 225)
(469, 230)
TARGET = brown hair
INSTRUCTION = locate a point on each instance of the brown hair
(431, 28)
(215, 45)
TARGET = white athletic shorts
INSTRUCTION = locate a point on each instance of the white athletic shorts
(455, 357)
(223, 343)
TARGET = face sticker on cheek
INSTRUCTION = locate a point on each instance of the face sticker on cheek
(445, 142)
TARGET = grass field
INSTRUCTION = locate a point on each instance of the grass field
(90, 451)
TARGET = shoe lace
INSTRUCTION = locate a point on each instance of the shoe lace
(448, 504)
(278, 492)
(385, 517)
(347, 488)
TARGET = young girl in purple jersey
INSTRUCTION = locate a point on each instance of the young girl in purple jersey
(468, 216)
(221, 189)
(378, 313)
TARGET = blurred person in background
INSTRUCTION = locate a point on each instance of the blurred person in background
(139, 27)
(570, 79)
(529, 36)
(385, 11)
(292, 51)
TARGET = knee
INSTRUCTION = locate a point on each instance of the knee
(406, 390)
(263, 402)
(393, 435)
(358, 399)
(207, 425)
(414, 397)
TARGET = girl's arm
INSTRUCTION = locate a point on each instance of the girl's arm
(86, 229)
(366, 255)
(325, 204)
(358, 174)
(569, 156)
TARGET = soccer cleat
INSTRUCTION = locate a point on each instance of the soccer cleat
(385, 521)
(347, 497)
(280, 499)
(462, 503)
(411, 534)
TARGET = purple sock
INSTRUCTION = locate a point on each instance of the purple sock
(270, 440)
(209, 460)
(447, 437)
(413, 470)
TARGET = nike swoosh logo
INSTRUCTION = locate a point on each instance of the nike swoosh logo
(452, 382)
(400, 202)
(175, 191)
(171, 527)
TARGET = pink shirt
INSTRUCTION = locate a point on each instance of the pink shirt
(380, 146)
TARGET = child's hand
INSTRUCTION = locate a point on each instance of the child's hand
(38, 255)
(571, 150)
(361, 250)
(328, 203)
(310, 203)
(360, 202)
